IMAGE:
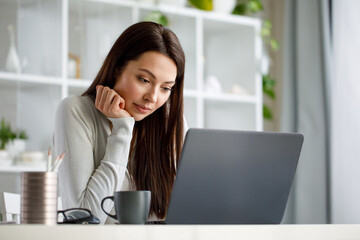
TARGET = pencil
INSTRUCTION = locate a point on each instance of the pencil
(48, 163)
(57, 163)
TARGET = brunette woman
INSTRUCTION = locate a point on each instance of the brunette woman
(126, 131)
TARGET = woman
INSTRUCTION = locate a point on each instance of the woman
(126, 131)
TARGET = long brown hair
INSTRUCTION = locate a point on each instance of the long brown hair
(157, 139)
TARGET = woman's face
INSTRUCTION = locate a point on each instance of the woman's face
(145, 84)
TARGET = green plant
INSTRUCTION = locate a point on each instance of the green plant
(245, 7)
(206, 5)
(22, 135)
(249, 7)
(6, 134)
(266, 36)
(268, 89)
(157, 17)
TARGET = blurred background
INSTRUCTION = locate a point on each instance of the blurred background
(262, 65)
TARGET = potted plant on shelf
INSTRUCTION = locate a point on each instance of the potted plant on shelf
(11, 143)
(17, 145)
(6, 135)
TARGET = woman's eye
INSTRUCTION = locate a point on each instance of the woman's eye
(166, 89)
(143, 80)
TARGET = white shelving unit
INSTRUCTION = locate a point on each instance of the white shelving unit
(225, 46)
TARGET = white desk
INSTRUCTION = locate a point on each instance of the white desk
(181, 232)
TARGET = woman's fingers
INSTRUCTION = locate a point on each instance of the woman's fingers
(122, 103)
(99, 90)
(115, 103)
(101, 97)
(109, 98)
(110, 103)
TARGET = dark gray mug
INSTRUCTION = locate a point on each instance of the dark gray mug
(131, 207)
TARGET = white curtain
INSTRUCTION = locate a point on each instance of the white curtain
(345, 112)
(305, 107)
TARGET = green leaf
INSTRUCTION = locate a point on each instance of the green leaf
(254, 6)
(6, 134)
(206, 5)
(157, 17)
(267, 113)
(265, 32)
(274, 44)
(266, 28)
(267, 24)
(268, 86)
(22, 135)
(268, 82)
(270, 93)
(240, 9)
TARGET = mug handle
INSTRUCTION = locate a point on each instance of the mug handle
(102, 202)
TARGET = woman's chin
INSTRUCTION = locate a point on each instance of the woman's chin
(139, 117)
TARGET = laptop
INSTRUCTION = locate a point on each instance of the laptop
(234, 177)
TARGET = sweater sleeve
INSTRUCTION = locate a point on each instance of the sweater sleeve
(81, 183)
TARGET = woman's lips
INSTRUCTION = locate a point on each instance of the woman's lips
(142, 109)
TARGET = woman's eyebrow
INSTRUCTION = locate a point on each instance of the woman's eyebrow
(153, 76)
(150, 73)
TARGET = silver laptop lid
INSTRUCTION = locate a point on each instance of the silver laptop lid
(234, 177)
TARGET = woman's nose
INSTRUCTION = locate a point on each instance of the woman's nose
(151, 96)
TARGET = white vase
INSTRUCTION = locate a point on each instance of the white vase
(212, 85)
(16, 146)
(71, 68)
(5, 159)
(224, 6)
(147, 1)
(12, 60)
(176, 3)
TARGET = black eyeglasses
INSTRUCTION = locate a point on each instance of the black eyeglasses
(77, 216)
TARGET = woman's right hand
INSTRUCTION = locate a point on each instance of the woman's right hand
(110, 103)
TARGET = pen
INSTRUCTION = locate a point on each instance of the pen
(48, 163)
(57, 163)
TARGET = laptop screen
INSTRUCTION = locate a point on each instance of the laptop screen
(234, 177)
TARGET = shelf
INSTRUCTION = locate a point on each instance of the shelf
(85, 83)
(228, 97)
(224, 46)
(29, 78)
(50, 33)
(39, 79)
(224, 97)
(185, 11)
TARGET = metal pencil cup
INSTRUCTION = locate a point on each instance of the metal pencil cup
(39, 196)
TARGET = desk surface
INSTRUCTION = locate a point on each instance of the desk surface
(181, 232)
